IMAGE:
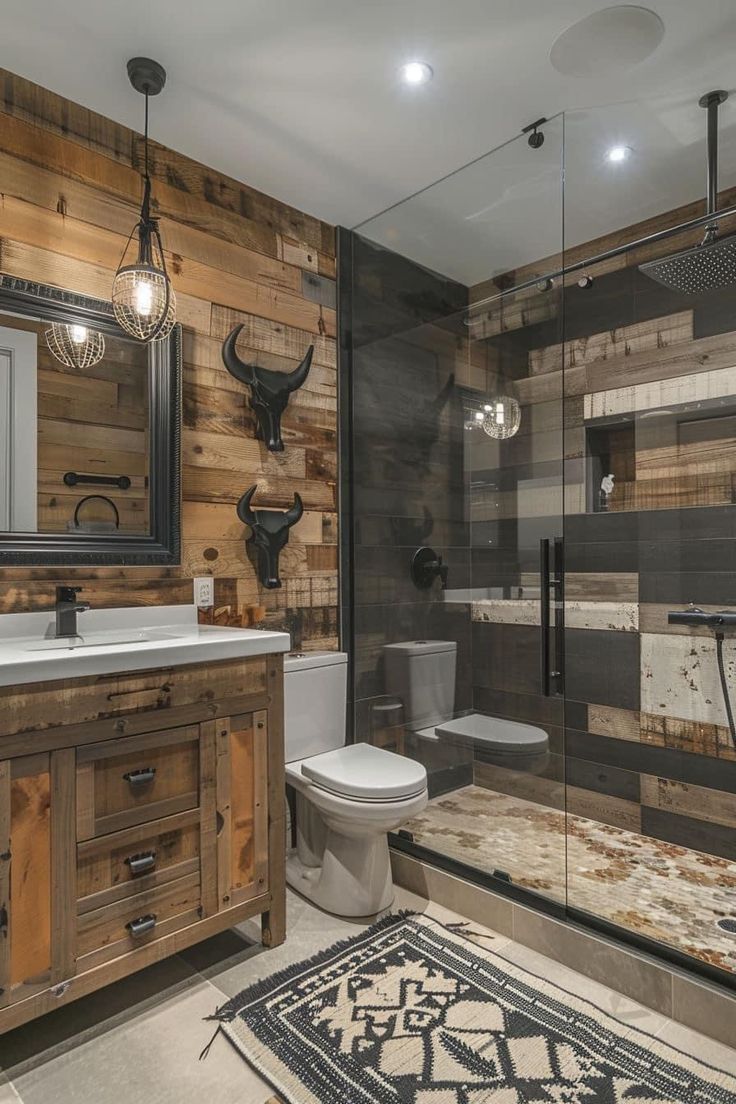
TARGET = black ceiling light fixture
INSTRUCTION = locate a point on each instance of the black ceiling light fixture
(536, 136)
(142, 296)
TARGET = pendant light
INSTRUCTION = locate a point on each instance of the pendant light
(142, 297)
(74, 345)
(502, 417)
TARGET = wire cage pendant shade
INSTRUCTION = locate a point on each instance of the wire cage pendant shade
(502, 417)
(75, 346)
(143, 299)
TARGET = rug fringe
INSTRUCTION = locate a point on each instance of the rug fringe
(227, 1012)
(205, 1051)
(460, 927)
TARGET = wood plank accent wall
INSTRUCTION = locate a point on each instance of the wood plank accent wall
(69, 194)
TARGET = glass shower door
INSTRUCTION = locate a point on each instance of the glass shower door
(650, 382)
(458, 430)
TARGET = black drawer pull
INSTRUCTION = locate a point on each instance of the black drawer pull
(140, 777)
(142, 925)
(141, 864)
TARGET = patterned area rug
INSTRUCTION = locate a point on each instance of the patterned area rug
(409, 1012)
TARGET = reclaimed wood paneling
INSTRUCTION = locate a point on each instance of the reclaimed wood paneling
(620, 342)
(661, 394)
(70, 191)
(680, 677)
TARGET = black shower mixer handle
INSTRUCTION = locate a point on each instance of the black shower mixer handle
(426, 566)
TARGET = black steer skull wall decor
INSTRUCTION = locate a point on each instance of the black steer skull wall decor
(269, 534)
(269, 390)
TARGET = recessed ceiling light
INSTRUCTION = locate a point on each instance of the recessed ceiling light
(618, 153)
(416, 72)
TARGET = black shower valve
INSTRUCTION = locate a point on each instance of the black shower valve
(426, 566)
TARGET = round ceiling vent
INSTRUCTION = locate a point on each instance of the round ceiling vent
(607, 42)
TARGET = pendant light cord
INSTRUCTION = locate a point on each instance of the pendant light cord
(145, 141)
(146, 205)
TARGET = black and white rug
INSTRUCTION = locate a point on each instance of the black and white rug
(409, 1012)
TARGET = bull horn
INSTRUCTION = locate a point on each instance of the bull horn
(245, 513)
(235, 366)
(294, 513)
(295, 379)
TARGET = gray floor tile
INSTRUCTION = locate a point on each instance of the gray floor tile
(90, 1017)
(705, 1049)
(153, 1057)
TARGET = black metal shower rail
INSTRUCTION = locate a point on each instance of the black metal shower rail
(609, 254)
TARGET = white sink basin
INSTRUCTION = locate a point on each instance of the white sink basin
(101, 640)
(118, 640)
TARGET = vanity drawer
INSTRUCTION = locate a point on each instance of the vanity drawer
(105, 933)
(124, 782)
(111, 868)
(107, 701)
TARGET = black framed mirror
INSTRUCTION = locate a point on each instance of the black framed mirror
(90, 467)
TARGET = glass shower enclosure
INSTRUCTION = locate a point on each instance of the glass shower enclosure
(539, 468)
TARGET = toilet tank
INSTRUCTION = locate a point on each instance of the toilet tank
(315, 689)
(422, 674)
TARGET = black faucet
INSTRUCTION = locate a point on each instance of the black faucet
(67, 607)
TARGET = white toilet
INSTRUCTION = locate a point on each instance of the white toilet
(347, 796)
(422, 674)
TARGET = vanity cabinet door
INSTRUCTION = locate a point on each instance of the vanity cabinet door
(37, 873)
(242, 807)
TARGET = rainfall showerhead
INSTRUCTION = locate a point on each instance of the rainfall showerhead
(712, 264)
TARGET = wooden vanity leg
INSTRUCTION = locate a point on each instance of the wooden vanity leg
(273, 922)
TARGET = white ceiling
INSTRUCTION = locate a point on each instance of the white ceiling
(301, 99)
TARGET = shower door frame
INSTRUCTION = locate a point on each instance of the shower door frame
(560, 911)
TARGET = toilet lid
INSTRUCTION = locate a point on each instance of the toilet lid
(496, 734)
(365, 772)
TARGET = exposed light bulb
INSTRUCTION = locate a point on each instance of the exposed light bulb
(416, 72)
(617, 154)
(78, 334)
(144, 297)
(479, 415)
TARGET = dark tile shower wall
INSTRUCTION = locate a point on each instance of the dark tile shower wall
(646, 747)
(408, 477)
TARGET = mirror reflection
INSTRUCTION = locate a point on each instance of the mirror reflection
(74, 429)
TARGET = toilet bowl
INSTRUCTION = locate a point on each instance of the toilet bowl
(421, 674)
(502, 743)
(348, 797)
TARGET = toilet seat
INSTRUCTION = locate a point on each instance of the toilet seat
(496, 735)
(362, 772)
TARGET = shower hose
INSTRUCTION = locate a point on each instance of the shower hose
(724, 685)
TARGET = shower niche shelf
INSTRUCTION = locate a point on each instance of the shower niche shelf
(662, 459)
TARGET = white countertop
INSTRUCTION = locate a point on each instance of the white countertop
(117, 640)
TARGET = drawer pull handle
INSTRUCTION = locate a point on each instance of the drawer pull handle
(141, 777)
(140, 864)
(142, 925)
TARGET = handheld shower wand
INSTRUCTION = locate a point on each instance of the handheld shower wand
(719, 621)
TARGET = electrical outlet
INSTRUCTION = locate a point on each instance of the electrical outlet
(204, 592)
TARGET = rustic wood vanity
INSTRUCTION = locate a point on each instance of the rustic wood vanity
(140, 812)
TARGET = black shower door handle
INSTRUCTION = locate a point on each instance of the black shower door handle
(551, 581)
(544, 658)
